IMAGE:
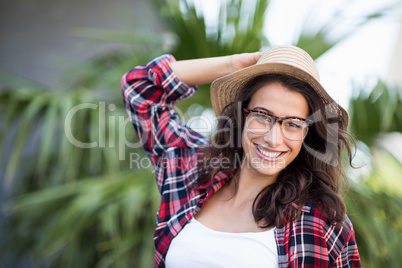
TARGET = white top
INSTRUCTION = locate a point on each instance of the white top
(198, 246)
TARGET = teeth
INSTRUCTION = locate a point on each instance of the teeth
(268, 154)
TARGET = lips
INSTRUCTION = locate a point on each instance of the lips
(270, 155)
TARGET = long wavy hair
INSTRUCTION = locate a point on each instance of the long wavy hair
(316, 174)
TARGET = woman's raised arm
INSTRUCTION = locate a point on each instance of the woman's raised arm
(203, 71)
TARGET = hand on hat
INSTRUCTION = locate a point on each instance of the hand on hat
(240, 61)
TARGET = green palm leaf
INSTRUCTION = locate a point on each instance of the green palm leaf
(111, 206)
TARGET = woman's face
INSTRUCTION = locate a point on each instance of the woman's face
(267, 154)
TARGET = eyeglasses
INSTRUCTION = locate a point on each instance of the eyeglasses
(261, 122)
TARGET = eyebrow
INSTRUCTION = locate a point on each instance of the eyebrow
(270, 112)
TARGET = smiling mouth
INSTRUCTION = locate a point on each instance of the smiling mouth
(268, 153)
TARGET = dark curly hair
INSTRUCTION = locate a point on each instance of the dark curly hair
(316, 174)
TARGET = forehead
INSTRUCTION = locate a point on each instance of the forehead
(280, 101)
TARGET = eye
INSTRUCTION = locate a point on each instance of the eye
(261, 116)
(293, 123)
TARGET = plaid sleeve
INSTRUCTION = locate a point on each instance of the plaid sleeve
(312, 242)
(150, 92)
(348, 255)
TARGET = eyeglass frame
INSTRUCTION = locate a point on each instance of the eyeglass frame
(278, 119)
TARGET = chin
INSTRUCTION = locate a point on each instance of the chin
(267, 168)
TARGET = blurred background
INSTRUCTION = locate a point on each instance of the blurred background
(71, 193)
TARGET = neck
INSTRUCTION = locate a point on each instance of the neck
(245, 186)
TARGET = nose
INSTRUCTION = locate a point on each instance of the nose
(274, 137)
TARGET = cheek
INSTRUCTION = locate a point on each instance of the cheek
(295, 146)
(247, 140)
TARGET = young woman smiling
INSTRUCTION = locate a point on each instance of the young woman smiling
(264, 191)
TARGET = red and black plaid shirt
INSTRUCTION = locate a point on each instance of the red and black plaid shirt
(150, 93)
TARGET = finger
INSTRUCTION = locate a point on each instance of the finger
(257, 56)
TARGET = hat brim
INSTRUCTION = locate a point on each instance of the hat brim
(225, 89)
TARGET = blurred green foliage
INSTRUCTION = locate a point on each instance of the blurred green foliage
(89, 207)
(375, 112)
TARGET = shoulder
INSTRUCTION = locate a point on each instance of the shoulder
(315, 221)
(313, 239)
(339, 239)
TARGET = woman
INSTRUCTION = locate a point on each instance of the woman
(264, 191)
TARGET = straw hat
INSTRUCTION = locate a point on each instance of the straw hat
(288, 60)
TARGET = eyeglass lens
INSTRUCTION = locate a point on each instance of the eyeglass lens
(292, 129)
